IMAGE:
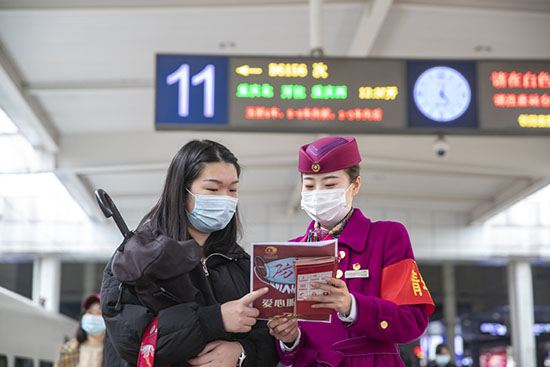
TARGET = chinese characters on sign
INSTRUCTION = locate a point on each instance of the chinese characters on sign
(517, 93)
(502, 79)
(319, 94)
(319, 70)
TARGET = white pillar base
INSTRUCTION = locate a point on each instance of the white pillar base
(89, 280)
(520, 293)
(449, 306)
(46, 283)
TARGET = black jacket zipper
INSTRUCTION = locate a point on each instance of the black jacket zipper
(204, 260)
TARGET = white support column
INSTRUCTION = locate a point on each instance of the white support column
(520, 293)
(316, 26)
(449, 305)
(375, 13)
(46, 283)
(89, 279)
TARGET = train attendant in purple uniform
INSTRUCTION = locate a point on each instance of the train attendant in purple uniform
(378, 296)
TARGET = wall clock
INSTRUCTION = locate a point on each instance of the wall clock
(442, 94)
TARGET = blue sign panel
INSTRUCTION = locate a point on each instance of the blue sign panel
(441, 94)
(191, 90)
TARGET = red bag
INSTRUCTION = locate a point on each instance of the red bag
(148, 345)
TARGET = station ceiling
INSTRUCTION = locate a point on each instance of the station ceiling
(77, 77)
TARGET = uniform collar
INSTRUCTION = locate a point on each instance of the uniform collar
(354, 234)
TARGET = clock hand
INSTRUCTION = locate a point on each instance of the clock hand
(443, 96)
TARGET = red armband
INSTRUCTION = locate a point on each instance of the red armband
(403, 285)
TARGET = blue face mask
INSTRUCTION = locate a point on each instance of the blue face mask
(212, 212)
(442, 359)
(93, 324)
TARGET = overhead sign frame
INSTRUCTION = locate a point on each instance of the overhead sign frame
(347, 95)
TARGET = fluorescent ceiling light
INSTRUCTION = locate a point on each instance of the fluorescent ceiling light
(6, 124)
(17, 154)
(39, 197)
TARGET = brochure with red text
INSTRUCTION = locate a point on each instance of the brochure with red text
(272, 266)
(307, 272)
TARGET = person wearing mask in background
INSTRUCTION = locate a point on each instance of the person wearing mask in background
(86, 349)
(378, 296)
(442, 357)
(202, 307)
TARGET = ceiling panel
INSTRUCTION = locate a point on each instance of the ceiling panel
(90, 66)
(128, 183)
(48, 4)
(437, 186)
(497, 155)
(41, 4)
(443, 32)
(120, 44)
(87, 111)
(526, 5)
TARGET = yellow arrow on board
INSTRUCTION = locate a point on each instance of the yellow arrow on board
(247, 70)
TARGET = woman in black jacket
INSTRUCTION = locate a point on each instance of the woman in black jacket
(201, 301)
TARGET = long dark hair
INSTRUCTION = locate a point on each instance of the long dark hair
(81, 335)
(169, 215)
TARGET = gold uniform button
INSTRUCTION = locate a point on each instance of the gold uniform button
(339, 274)
(384, 324)
(342, 254)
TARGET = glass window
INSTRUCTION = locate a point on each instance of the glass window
(23, 362)
(534, 210)
(16, 275)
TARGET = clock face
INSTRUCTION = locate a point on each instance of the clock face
(442, 94)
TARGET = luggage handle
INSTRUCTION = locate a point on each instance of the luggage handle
(109, 209)
(148, 344)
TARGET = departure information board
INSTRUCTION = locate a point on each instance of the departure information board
(350, 95)
(314, 94)
(516, 95)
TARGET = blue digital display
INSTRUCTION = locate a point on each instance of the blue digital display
(441, 94)
(191, 90)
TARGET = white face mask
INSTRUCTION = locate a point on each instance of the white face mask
(328, 207)
(93, 324)
(443, 359)
(212, 212)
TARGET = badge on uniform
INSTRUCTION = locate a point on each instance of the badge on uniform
(350, 274)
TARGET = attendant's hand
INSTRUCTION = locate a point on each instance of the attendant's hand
(338, 299)
(218, 354)
(283, 329)
(238, 316)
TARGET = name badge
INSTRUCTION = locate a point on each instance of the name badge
(350, 274)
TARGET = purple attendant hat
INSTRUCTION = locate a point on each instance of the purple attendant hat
(328, 154)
